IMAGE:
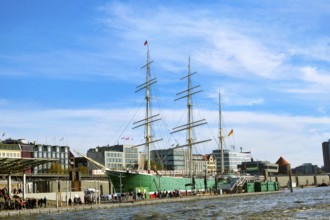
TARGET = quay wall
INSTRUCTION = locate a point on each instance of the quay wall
(303, 180)
(52, 185)
(63, 186)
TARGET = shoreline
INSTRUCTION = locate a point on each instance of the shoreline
(86, 207)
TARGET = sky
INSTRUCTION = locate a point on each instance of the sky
(69, 71)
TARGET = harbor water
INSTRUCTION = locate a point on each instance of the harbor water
(302, 203)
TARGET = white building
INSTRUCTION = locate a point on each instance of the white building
(10, 151)
(231, 159)
(117, 157)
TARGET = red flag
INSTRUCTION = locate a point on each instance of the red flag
(145, 43)
(231, 132)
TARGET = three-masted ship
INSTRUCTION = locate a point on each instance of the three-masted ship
(148, 181)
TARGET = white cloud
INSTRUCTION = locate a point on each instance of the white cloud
(267, 135)
(236, 53)
(310, 74)
(223, 45)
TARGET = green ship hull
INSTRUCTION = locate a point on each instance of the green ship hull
(130, 181)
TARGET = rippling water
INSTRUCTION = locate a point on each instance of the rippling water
(307, 203)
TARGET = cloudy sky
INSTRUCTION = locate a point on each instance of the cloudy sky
(68, 72)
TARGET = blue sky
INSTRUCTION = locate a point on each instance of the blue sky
(68, 69)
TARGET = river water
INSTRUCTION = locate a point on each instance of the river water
(306, 203)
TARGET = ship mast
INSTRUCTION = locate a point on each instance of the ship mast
(221, 137)
(191, 123)
(190, 119)
(146, 122)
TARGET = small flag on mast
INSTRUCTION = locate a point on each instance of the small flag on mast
(231, 132)
(3, 134)
(146, 43)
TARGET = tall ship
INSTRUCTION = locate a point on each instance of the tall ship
(151, 183)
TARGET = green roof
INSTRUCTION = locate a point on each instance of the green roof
(10, 147)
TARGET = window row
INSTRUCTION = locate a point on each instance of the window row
(10, 155)
(113, 154)
(114, 160)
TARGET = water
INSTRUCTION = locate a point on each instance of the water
(307, 203)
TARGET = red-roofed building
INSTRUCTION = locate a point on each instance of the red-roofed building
(283, 166)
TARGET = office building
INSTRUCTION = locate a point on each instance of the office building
(117, 157)
(33, 150)
(231, 160)
(326, 156)
(258, 168)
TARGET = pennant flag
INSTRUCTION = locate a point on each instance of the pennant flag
(146, 43)
(231, 132)
(3, 134)
(61, 139)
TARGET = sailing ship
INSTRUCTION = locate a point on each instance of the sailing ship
(149, 182)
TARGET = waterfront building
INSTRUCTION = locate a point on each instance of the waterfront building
(33, 150)
(199, 165)
(170, 159)
(283, 166)
(80, 161)
(10, 151)
(231, 159)
(211, 164)
(177, 160)
(117, 157)
(258, 168)
(326, 155)
(52, 152)
(306, 169)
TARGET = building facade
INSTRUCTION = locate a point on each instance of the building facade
(52, 152)
(284, 167)
(258, 168)
(326, 156)
(231, 160)
(33, 150)
(306, 169)
(117, 157)
(199, 165)
(211, 165)
(10, 151)
(177, 160)
(170, 159)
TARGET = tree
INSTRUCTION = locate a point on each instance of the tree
(83, 169)
(56, 168)
(153, 165)
(68, 170)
